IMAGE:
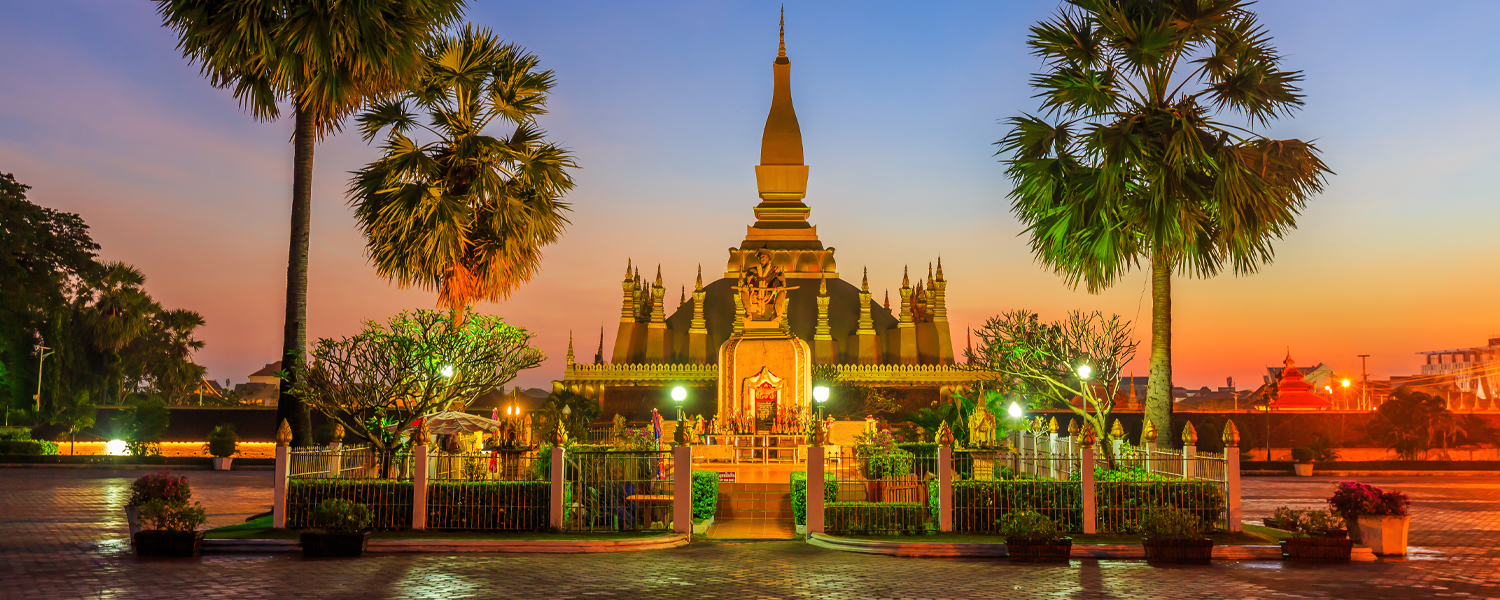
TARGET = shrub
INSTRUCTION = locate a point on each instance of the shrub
(975, 503)
(341, 516)
(1353, 498)
(1122, 505)
(1285, 518)
(28, 447)
(223, 442)
(162, 486)
(705, 494)
(489, 505)
(924, 457)
(1171, 524)
(1317, 523)
(165, 515)
(899, 518)
(1302, 455)
(390, 502)
(799, 495)
(1028, 524)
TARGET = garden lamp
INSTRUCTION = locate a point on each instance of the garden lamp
(1014, 410)
(678, 395)
(1084, 371)
(820, 394)
(446, 371)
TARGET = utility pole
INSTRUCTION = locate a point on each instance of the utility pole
(40, 359)
(1364, 382)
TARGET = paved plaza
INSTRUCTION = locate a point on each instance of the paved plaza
(62, 535)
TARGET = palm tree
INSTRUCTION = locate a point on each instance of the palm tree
(326, 59)
(467, 213)
(118, 314)
(1132, 166)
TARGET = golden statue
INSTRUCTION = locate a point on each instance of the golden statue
(982, 427)
(763, 289)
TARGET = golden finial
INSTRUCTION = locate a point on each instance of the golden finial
(627, 269)
(1231, 435)
(700, 279)
(284, 434)
(683, 299)
(940, 268)
(658, 276)
(887, 299)
(1189, 435)
(1089, 436)
(423, 433)
(560, 436)
(864, 285)
(1117, 432)
(1150, 433)
(905, 279)
(570, 346)
(1052, 426)
(822, 284)
(929, 275)
(781, 51)
(1072, 427)
(638, 277)
(944, 434)
(338, 433)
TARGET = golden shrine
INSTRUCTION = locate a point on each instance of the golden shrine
(750, 339)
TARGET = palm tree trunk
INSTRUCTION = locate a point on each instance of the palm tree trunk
(294, 336)
(1159, 387)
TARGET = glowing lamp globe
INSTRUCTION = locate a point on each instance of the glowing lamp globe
(447, 370)
(1014, 410)
(115, 448)
(679, 394)
(820, 394)
(1084, 371)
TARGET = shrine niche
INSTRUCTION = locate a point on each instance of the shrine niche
(763, 393)
(765, 372)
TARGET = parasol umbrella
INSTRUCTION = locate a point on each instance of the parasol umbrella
(451, 422)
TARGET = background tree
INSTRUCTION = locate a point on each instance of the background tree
(581, 412)
(466, 214)
(1042, 362)
(1132, 164)
(415, 364)
(1412, 423)
(325, 59)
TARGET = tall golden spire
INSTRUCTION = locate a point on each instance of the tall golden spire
(782, 52)
(781, 176)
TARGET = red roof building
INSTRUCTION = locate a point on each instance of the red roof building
(1295, 393)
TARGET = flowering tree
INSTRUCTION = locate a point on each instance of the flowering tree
(418, 362)
(1053, 364)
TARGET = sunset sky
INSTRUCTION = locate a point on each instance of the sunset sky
(899, 103)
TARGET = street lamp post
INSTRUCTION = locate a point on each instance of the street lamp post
(41, 358)
(820, 394)
(678, 395)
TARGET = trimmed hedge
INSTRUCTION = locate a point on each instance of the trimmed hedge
(799, 495)
(899, 518)
(1122, 505)
(28, 447)
(978, 505)
(390, 502)
(705, 494)
(1120, 500)
(489, 505)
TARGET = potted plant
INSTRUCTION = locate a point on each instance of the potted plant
(1319, 536)
(223, 444)
(1032, 537)
(1174, 536)
(1283, 518)
(156, 486)
(171, 529)
(1302, 462)
(345, 529)
(1375, 518)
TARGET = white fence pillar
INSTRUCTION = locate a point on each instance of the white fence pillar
(559, 494)
(283, 467)
(1189, 461)
(682, 490)
(815, 499)
(335, 460)
(1150, 450)
(1232, 487)
(1052, 465)
(1086, 463)
(945, 489)
(419, 487)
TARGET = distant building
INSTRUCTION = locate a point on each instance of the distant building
(1295, 392)
(1469, 373)
(263, 388)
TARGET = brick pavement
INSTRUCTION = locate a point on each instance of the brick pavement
(62, 536)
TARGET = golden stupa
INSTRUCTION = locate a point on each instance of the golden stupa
(800, 313)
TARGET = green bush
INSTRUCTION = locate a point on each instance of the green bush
(167, 515)
(1122, 505)
(705, 494)
(1171, 524)
(856, 518)
(1302, 455)
(799, 495)
(390, 502)
(223, 442)
(977, 505)
(924, 457)
(1028, 524)
(489, 505)
(341, 516)
(28, 447)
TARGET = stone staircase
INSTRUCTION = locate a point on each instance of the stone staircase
(757, 501)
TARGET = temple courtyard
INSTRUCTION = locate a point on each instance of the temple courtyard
(62, 535)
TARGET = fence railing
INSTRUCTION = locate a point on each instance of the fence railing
(619, 491)
(345, 462)
(488, 491)
(883, 495)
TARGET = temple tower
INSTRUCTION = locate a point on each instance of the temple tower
(698, 328)
(865, 350)
(658, 348)
(824, 350)
(904, 336)
(624, 350)
(781, 177)
(940, 317)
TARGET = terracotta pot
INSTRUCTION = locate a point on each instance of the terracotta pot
(1316, 549)
(1038, 549)
(1179, 552)
(317, 545)
(172, 544)
(222, 463)
(1303, 469)
(133, 521)
(1384, 534)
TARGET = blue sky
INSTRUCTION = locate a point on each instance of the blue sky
(663, 104)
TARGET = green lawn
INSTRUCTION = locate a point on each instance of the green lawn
(1252, 534)
(260, 529)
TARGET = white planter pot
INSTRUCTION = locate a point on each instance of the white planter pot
(1385, 535)
(1302, 469)
(222, 464)
(133, 520)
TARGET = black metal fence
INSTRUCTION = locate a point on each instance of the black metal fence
(619, 491)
